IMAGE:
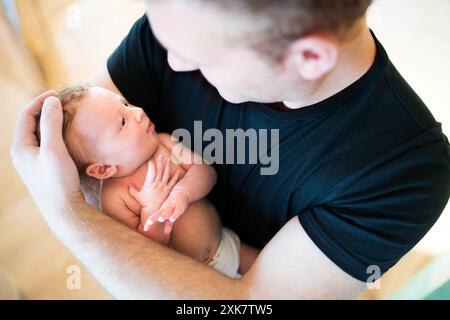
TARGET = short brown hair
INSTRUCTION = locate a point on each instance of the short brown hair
(67, 96)
(287, 20)
(292, 19)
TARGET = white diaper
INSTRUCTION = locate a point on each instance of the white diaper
(226, 259)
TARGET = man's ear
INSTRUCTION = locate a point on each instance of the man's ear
(313, 56)
(101, 171)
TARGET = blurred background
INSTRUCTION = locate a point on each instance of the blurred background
(47, 43)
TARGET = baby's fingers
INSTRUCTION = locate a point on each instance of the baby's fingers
(176, 214)
(148, 223)
(166, 214)
(153, 218)
(159, 168)
(174, 179)
(150, 173)
(134, 192)
(166, 173)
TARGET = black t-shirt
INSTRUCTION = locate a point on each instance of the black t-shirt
(366, 171)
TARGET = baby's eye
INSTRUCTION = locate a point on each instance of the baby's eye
(123, 122)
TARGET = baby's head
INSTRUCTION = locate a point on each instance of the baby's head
(105, 135)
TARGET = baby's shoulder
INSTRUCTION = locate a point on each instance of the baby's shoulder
(164, 136)
(113, 186)
(167, 140)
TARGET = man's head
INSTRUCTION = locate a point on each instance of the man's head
(106, 136)
(256, 50)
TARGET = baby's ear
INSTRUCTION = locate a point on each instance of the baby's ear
(101, 171)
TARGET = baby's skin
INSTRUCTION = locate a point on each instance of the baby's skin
(151, 183)
(196, 232)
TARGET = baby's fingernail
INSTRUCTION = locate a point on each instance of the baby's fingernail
(161, 219)
(172, 219)
(148, 224)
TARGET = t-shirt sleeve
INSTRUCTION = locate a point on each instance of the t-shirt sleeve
(384, 213)
(137, 66)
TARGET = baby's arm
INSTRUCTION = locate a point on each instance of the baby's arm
(197, 182)
(117, 203)
(199, 179)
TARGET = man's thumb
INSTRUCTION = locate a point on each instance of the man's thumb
(51, 123)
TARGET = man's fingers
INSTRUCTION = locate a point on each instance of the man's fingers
(25, 131)
(51, 124)
(36, 105)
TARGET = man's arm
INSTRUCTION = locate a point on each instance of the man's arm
(129, 265)
(289, 267)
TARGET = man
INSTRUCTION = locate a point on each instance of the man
(363, 172)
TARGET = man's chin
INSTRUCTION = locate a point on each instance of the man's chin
(237, 99)
(232, 98)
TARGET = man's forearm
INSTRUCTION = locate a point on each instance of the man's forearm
(131, 266)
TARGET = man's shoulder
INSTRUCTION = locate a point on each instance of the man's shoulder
(408, 99)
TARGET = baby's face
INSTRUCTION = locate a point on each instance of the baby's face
(112, 131)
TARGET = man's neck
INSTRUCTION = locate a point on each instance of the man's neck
(356, 56)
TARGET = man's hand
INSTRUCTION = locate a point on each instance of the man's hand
(47, 170)
(155, 191)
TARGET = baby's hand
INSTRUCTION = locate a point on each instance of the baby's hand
(175, 205)
(156, 188)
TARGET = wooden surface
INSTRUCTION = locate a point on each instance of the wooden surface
(35, 17)
(419, 46)
(28, 250)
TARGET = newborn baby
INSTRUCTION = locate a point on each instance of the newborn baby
(150, 181)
